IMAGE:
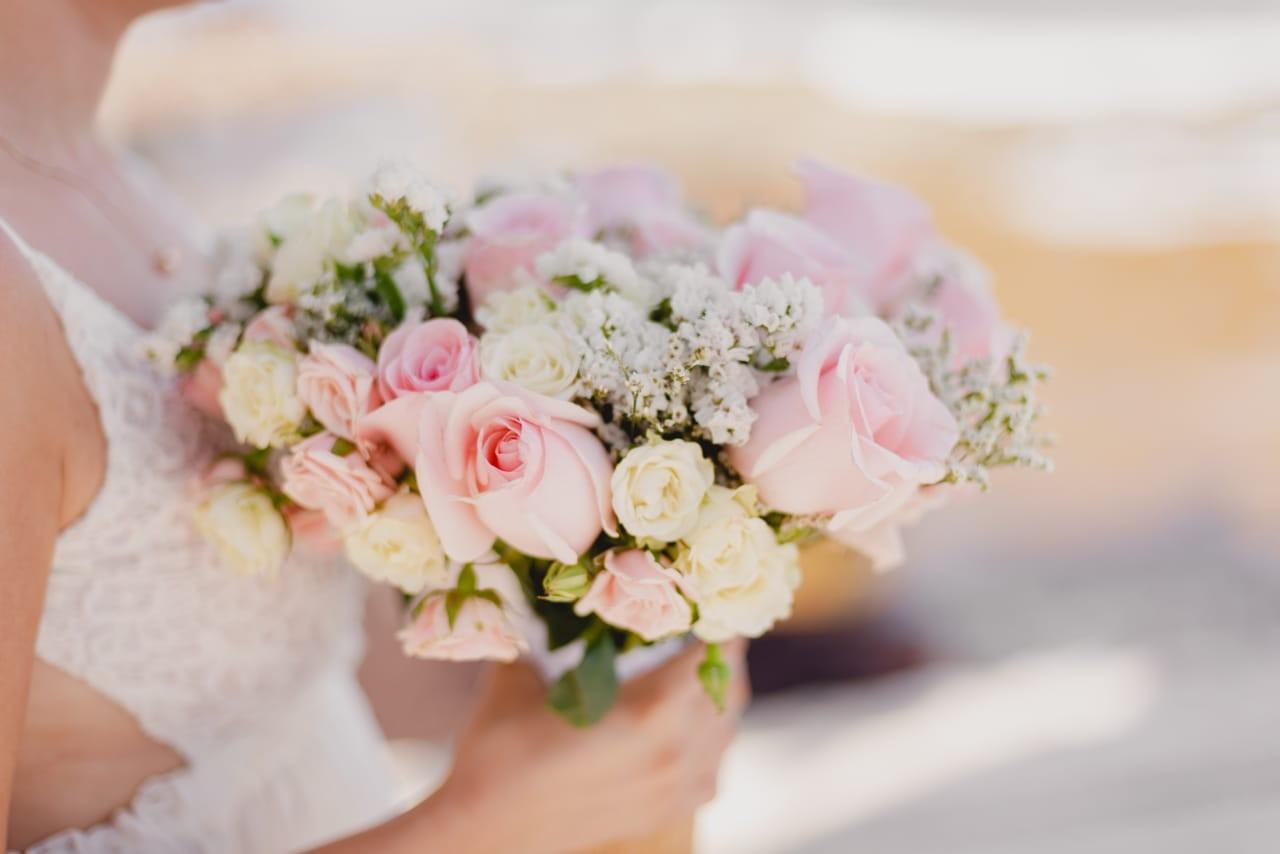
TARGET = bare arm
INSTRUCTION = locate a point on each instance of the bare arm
(40, 397)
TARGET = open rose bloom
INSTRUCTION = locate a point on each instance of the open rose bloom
(575, 414)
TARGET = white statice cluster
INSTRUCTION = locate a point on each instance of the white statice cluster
(396, 180)
(996, 405)
(666, 348)
(585, 264)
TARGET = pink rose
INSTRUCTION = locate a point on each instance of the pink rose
(509, 233)
(857, 239)
(273, 324)
(435, 355)
(338, 384)
(480, 632)
(966, 307)
(880, 540)
(642, 203)
(500, 461)
(853, 433)
(200, 387)
(345, 488)
(882, 226)
(224, 470)
(312, 532)
(768, 244)
(635, 593)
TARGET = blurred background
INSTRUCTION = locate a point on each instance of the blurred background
(1097, 652)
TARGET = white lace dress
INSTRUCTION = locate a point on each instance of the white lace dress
(251, 681)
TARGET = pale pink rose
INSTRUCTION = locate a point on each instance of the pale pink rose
(854, 433)
(882, 226)
(768, 244)
(498, 461)
(643, 203)
(856, 238)
(881, 541)
(434, 355)
(273, 324)
(338, 384)
(967, 309)
(345, 488)
(509, 233)
(480, 633)
(634, 592)
(224, 470)
(312, 532)
(200, 387)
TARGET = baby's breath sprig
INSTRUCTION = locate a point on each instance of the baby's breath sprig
(996, 405)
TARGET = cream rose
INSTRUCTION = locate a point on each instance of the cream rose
(658, 489)
(539, 358)
(243, 524)
(303, 257)
(397, 544)
(259, 394)
(734, 569)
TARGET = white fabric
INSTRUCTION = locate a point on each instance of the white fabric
(251, 681)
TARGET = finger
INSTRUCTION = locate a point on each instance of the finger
(676, 672)
(735, 652)
(511, 682)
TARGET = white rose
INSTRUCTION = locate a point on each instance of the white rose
(259, 394)
(733, 567)
(397, 544)
(504, 311)
(243, 524)
(302, 259)
(539, 358)
(279, 222)
(658, 489)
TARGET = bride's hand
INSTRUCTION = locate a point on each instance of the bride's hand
(531, 782)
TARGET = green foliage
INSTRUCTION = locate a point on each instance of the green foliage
(715, 674)
(586, 693)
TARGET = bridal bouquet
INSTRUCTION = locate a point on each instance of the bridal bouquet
(573, 413)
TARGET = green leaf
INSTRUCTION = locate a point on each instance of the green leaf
(452, 605)
(780, 363)
(661, 312)
(467, 580)
(585, 694)
(714, 674)
(563, 626)
(578, 285)
(256, 461)
(390, 294)
(188, 358)
(342, 447)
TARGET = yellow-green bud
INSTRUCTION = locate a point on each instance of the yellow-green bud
(566, 582)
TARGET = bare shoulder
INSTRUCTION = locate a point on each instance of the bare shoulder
(45, 412)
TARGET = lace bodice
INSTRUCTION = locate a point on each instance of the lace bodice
(139, 607)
